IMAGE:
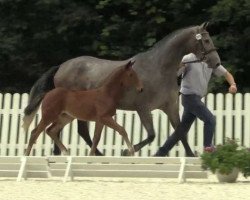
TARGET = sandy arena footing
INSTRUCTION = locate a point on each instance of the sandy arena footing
(123, 189)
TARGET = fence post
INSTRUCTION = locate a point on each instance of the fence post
(238, 117)
(5, 125)
(22, 135)
(246, 141)
(14, 124)
(118, 140)
(229, 115)
(219, 119)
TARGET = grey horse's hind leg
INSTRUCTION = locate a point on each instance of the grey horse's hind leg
(173, 114)
(57, 151)
(147, 122)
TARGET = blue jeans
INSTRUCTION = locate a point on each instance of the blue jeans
(193, 107)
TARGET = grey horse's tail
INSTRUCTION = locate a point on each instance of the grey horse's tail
(44, 84)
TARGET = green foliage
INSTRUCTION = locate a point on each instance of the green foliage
(35, 35)
(226, 157)
(244, 162)
(231, 19)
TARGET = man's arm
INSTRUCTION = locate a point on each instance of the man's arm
(181, 69)
(230, 79)
(182, 66)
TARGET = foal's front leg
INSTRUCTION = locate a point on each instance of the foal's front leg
(96, 139)
(110, 122)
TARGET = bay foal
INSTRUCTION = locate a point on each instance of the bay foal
(60, 106)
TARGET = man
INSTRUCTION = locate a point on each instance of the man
(195, 78)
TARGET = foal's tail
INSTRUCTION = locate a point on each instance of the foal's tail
(44, 84)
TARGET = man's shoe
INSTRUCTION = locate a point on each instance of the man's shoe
(159, 153)
(209, 149)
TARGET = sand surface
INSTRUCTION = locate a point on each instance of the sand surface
(123, 189)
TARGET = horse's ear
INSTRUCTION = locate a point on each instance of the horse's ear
(132, 62)
(129, 64)
(204, 25)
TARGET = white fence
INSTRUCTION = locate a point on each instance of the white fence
(232, 116)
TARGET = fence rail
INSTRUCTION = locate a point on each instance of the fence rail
(232, 120)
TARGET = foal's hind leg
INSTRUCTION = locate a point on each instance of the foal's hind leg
(34, 135)
(96, 139)
(110, 122)
(56, 127)
(52, 131)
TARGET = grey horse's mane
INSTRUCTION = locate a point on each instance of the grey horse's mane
(113, 75)
(169, 37)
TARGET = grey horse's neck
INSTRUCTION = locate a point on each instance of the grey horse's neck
(170, 50)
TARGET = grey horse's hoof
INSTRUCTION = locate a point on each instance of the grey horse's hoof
(126, 152)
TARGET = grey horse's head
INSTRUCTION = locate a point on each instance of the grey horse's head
(204, 47)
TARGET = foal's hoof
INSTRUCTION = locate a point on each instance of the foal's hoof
(26, 154)
(65, 153)
(126, 152)
(98, 153)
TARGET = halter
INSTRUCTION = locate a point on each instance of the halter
(204, 52)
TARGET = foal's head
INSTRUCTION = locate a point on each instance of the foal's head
(129, 77)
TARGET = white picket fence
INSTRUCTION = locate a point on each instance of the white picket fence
(232, 116)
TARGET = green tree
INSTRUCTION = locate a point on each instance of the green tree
(231, 19)
(38, 34)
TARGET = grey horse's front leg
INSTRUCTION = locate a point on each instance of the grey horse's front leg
(147, 122)
(172, 111)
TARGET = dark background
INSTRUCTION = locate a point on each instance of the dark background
(38, 34)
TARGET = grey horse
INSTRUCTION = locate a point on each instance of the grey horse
(157, 68)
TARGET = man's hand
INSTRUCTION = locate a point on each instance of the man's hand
(232, 89)
(230, 79)
(181, 69)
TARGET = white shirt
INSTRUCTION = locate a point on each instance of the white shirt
(196, 76)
